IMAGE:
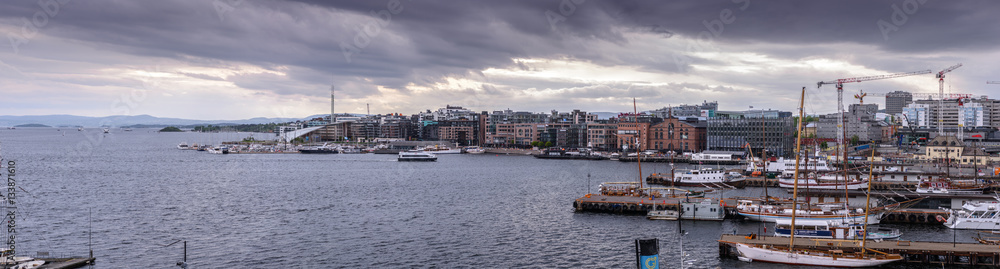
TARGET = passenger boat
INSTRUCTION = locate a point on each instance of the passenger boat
(831, 229)
(475, 150)
(182, 145)
(416, 156)
(709, 177)
(975, 216)
(825, 182)
(945, 186)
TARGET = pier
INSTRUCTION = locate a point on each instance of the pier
(912, 251)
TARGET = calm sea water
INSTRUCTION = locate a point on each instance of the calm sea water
(129, 195)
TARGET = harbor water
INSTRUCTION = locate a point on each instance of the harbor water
(132, 195)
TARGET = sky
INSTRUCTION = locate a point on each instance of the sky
(239, 59)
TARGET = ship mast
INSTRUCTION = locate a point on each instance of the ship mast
(795, 186)
(638, 156)
(868, 200)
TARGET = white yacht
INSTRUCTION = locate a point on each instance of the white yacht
(416, 156)
(976, 216)
(182, 145)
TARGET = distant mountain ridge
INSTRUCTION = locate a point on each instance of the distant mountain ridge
(122, 120)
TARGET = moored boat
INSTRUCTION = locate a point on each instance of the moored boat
(324, 149)
(708, 177)
(825, 182)
(475, 150)
(946, 186)
(834, 258)
(416, 156)
(831, 229)
(975, 216)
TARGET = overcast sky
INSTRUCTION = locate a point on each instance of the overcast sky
(229, 59)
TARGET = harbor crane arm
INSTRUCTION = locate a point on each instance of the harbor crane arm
(840, 94)
(940, 77)
(993, 82)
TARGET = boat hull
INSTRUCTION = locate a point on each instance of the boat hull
(783, 257)
(765, 217)
(318, 151)
(823, 186)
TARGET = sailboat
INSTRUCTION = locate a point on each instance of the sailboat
(801, 256)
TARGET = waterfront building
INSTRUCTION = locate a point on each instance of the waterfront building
(948, 148)
(601, 134)
(565, 135)
(896, 101)
(770, 129)
(673, 134)
(634, 129)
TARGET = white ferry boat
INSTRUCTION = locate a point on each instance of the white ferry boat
(781, 165)
(708, 177)
(975, 215)
(831, 229)
(416, 156)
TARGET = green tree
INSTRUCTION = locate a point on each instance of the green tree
(548, 144)
(534, 143)
(854, 140)
(823, 145)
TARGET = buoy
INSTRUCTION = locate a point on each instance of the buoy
(940, 218)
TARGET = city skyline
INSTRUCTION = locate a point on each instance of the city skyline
(227, 59)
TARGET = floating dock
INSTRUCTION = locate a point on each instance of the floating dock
(912, 251)
(633, 205)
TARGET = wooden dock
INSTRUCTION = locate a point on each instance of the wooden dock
(912, 251)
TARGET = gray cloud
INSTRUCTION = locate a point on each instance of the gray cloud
(429, 39)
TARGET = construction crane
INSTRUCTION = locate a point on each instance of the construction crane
(993, 82)
(840, 95)
(940, 77)
(861, 95)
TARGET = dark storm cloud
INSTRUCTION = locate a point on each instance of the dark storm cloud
(429, 39)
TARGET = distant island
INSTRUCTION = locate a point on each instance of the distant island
(32, 125)
(170, 129)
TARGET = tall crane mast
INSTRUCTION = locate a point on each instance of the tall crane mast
(940, 77)
(840, 95)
